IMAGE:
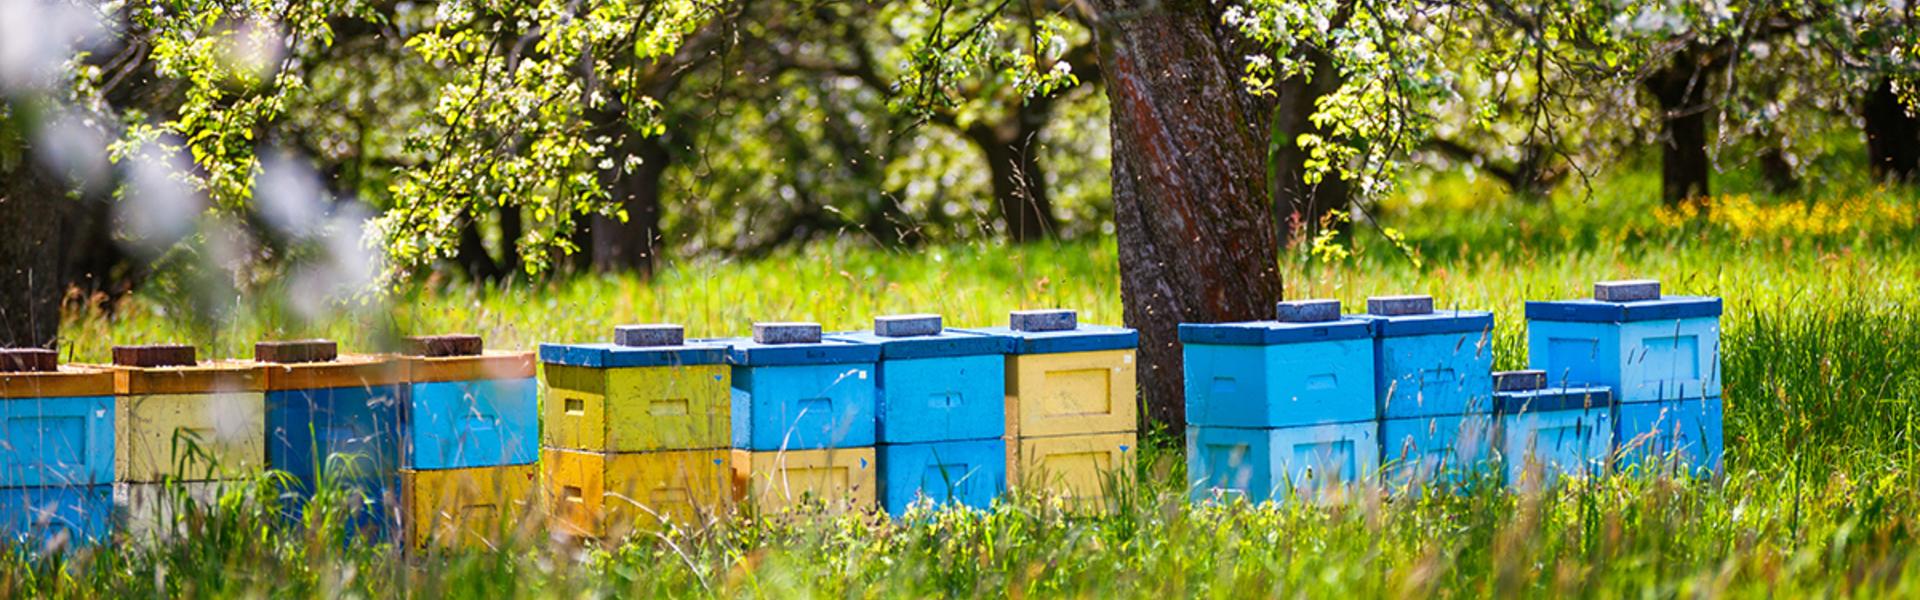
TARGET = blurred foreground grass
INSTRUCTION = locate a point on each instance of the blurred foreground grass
(1821, 342)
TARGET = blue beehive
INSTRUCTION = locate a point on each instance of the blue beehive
(335, 419)
(1645, 346)
(793, 390)
(1547, 433)
(965, 472)
(1670, 436)
(1315, 462)
(56, 441)
(1309, 368)
(1430, 363)
(40, 515)
(941, 412)
(1451, 449)
(465, 407)
(936, 384)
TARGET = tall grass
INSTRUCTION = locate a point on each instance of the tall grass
(1820, 354)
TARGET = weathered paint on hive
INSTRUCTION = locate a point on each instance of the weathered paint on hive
(474, 423)
(602, 495)
(1080, 469)
(804, 407)
(57, 441)
(968, 472)
(1669, 437)
(1315, 463)
(841, 478)
(152, 510)
(471, 507)
(38, 516)
(1281, 385)
(1540, 447)
(637, 409)
(1071, 393)
(193, 437)
(1418, 451)
(1643, 361)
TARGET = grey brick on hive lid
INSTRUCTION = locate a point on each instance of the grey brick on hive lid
(158, 355)
(1307, 311)
(1044, 320)
(906, 325)
(296, 351)
(650, 335)
(28, 360)
(1519, 381)
(453, 344)
(1394, 306)
(1632, 290)
(786, 333)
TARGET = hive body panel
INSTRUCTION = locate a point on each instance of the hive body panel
(195, 437)
(803, 407)
(473, 423)
(969, 473)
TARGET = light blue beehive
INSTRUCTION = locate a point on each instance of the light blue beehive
(936, 384)
(1314, 463)
(1546, 433)
(1430, 363)
(466, 408)
(1452, 449)
(965, 472)
(794, 390)
(40, 515)
(56, 442)
(1670, 436)
(56, 459)
(1644, 346)
(1310, 367)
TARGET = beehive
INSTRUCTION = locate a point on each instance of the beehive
(800, 391)
(1645, 346)
(940, 408)
(476, 507)
(1670, 437)
(1430, 363)
(190, 420)
(335, 418)
(1081, 470)
(1064, 378)
(56, 467)
(616, 398)
(1451, 449)
(608, 495)
(1547, 433)
(775, 481)
(466, 407)
(1313, 463)
(1266, 374)
(157, 511)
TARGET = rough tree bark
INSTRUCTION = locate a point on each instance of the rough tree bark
(1681, 89)
(30, 258)
(1196, 234)
(1893, 135)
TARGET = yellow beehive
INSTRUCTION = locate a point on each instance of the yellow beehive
(1070, 393)
(603, 495)
(198, 423)
(842, 478)
(1080, 469)
(636, 409)
(465, 507)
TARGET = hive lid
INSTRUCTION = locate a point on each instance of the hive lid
(1584, 310)
(155, 355)
(1438, 322)
(64, 381)
(29, 360)
(1053, 331)
(1551, 399)
(610, 356)
(1268, 333)
(296, 351)
(949, 342)
(455, 344)
(746, 352)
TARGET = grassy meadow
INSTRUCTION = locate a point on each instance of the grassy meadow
(1820, 494)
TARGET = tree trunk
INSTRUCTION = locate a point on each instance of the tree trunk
(1300, 206)
(633, 245)
(473, 257)
(1019, 186)
(1681, 89)
(1191, 206)
(1893, 135)
(30, 274)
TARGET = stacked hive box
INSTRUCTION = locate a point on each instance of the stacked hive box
(1071, 416)
(636, 432)
(56, 467)
(1546, 433)
(1659, 355)
(470, 424)
(940, 412)
(1434, 383)
(803, 418)
(1279, 409)
(335, 420)
(182, 427)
